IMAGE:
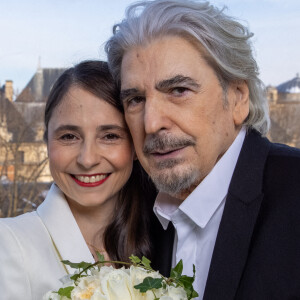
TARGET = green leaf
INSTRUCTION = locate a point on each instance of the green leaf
(149, 283)
(66, 291)
(100, 256)
(194, 294)
(134, 259)
(186, 281)
(191, 293)
(146, 262)
(177, 270)
(81, 265)
(74, 277)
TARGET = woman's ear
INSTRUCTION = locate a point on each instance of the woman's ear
(241, 103)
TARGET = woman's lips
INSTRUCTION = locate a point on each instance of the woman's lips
(90, 180)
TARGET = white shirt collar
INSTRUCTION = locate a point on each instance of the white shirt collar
(202, 203)
(164, 207)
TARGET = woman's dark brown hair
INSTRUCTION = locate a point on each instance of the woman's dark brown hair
(128, 232)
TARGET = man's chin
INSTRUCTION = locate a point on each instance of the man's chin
(177, 184)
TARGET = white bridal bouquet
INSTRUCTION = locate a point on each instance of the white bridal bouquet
(138, 282)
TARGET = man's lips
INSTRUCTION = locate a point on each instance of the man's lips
(90, 180)
(168, 153)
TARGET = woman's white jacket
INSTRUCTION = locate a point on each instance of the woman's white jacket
(32, 246)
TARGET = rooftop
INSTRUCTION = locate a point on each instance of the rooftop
(39, 86)
(291, 87)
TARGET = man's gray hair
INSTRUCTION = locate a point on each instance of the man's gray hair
(222, 41)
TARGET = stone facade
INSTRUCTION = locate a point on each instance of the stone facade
(284, 103)
(23, 153)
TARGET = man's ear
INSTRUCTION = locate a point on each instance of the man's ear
(241, 102)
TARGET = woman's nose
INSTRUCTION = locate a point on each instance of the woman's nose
(89, 155)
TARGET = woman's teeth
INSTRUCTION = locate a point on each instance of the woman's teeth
(90, 179)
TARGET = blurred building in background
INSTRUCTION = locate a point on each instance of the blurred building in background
(24, 169)
(284, 102)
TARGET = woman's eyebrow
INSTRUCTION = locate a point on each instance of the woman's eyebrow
(111, 127)
(67, 127)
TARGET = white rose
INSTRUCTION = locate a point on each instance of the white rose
(174, 293)
(103, 271)
(137, 275)
(98, 295)
(86, 288)
(116, 285)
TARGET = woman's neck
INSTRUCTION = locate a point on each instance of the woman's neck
(92, 222)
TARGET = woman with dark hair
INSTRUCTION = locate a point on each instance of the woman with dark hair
(101, 198)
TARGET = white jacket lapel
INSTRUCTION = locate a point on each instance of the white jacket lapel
(61, 224)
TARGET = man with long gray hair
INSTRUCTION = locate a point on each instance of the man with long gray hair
(229, 199)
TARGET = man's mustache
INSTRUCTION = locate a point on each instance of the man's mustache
(158, 142)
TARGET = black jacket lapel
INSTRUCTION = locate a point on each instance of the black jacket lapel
(238, 220)
(162, 246)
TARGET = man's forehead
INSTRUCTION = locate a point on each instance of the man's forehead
(162, 60)
(136, 74)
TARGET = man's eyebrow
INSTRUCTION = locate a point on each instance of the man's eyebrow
(128, 92)
(164, 84)
(178, 79)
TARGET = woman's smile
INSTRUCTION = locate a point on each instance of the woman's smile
(93, 180)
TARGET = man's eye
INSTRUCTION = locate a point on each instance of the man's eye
(135, 100)
(178, 91)
(68, 137)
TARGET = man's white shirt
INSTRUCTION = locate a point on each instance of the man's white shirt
(197, 218)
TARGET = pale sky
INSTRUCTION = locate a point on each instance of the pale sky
(64, 32)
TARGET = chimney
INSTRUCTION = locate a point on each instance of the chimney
(9, 91)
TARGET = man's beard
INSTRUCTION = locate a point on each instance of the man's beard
(175, 183)
(165, 176)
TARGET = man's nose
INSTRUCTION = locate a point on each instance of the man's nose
(156, 116)
(89, 155)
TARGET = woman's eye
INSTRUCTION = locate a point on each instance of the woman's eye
(111, 136)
